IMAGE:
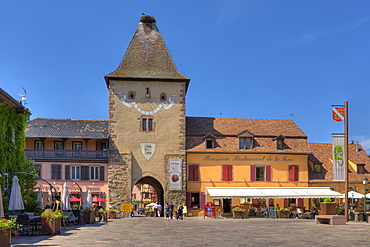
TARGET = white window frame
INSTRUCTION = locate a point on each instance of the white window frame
(73, 171)
(94, 173)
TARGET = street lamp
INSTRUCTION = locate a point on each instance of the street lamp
(365, 182)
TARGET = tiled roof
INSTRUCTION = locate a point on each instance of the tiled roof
(322, 153)
(226, 130)
(234, 126)
(11, 101)
(147, 56)
(67, 128)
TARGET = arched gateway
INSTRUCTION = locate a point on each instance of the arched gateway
(147, 119)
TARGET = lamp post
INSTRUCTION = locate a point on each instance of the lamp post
(365, 182)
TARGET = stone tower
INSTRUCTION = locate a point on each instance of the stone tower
(147, 119)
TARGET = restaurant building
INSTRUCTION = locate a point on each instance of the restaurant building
(69, 150)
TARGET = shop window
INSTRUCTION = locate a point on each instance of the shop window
(293, 173)
(193, 172)
(360, 168)
(195, 200)
(227, 173)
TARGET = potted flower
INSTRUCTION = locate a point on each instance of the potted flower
(239, 212)
(6, 227)
(88, 215)
(283, 213)
(112, 213)
(51, 221)
(328, 207)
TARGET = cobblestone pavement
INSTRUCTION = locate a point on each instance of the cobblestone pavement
(192, 231)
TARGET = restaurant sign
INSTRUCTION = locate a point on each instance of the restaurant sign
(209, 210)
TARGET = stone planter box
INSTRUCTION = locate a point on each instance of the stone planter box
(5, 237)
(52, 228)
(88, 218)
(328, 208)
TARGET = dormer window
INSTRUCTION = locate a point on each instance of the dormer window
(210, 141)
(245, 140)
(360, 168)
(279, 142)
(317, 167)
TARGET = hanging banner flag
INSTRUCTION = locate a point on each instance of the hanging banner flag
(175, 174)
(338, 158)
(338, 113)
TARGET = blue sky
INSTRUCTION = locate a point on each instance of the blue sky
(246, 59)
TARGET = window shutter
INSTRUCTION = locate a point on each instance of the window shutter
(300, 202)
(230, 173)
(38, 167)
(196, 172)
(202, 199)
(286, 202)
(67, 172)
(56, 172)
(268, 173)
(191, 173)
(291, 173)
(224, 173)
(253, 172)
(85, 173)
(296, 170)
(102, 173)
(188, 199)
(255, 202)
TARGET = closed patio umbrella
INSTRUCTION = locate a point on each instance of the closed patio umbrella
(66, 203)
(88, 200)
(15, 202)
(1, 205)
(39, 198)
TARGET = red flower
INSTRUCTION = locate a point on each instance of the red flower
(47, 220)
(16, 234)
(5, 220)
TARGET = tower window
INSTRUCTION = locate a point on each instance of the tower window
(131, 94)
(147, 124)
(163, 97)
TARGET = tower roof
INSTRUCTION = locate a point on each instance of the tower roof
(147, 57)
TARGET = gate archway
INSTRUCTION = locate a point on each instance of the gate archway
(157, 186)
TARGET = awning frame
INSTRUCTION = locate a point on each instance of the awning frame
(271, 192)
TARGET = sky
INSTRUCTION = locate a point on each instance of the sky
(254, 59)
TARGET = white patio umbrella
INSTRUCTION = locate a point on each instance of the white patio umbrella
(1, 204)
(88, 199)
(65, 200)
(39, 198)
(15, 202)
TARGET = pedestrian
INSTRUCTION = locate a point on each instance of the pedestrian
(179, 211)
(156, 210)
(159, 209)
(167, 209)
(171, 210)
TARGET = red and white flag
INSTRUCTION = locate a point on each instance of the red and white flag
(338, 113)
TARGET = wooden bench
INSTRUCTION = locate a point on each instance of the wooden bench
(330, 219)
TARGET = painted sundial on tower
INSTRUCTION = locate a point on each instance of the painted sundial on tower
(122, 97)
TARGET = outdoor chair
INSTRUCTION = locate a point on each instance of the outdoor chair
(27, 226)
(77, 214)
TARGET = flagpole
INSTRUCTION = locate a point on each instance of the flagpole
(346, 157)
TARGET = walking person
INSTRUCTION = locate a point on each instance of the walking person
(159, 210)
(156, 210)
(167, 209)
(179, 211)
(171, 210)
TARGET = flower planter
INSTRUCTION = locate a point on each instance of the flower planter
(283, 214)
(88, 217)
(328, 208)
(5, 237)
(52, 228)
(112, 215)
(239, 214)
